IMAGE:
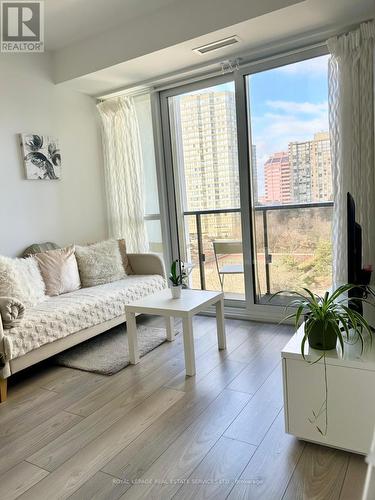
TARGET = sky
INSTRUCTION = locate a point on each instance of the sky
(287, 104)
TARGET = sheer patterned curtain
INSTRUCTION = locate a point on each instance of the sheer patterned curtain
(351, 117)
(123, 166)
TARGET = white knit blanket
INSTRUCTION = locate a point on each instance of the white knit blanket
(58, 317)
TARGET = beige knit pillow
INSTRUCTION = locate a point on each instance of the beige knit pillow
(59, 270)
(21, 279)
(99, 263)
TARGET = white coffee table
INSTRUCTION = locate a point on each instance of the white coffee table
(161, 304)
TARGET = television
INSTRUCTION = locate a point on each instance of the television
(354, 244)
(356, 274)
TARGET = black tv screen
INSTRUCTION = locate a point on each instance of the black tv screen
(354, 244)
(354, 252)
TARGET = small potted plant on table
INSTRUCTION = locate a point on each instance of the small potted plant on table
(177, 276)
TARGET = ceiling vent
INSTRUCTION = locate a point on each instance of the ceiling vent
(219, 44)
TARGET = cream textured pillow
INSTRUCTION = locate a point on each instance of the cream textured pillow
(21, 279)
(59, 270)
(100, 263)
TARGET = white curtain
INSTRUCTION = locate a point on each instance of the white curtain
(124, 179)
(351, 117)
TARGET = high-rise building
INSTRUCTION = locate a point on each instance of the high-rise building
(209, 150)
(321, 168)
(300, 162)
(277, 179)
(206, 138)
(311, 169)
(254, 171)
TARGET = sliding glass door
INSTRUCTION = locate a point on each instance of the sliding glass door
(203, 134)
(248, 170)
(292, 178)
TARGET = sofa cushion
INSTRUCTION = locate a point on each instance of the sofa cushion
(39, 247)
(58, 317)
(100, 263)
(21, 279)
(59, 270)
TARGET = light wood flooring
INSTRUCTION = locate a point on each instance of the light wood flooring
(149, 432)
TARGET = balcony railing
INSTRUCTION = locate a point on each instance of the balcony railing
(264, 212)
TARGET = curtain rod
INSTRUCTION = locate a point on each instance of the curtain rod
(242, 65)
(133, 92)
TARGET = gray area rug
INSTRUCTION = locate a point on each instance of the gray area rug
(108, 352)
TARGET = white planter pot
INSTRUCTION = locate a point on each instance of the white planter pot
(176, 291)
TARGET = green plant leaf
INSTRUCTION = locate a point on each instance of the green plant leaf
(314, 297)
(344, 324)
(303, 347)
(298, 314)
(339, 291)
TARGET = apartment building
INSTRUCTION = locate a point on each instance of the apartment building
(310, 163)
(278, 179)
(321, 172)
(207, 155)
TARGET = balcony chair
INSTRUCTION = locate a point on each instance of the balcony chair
(227, 247)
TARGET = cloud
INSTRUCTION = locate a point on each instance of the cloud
(288, 121)
(277, 131)
(281, 121)
(299, 107)
(272, 132)
(313, 67)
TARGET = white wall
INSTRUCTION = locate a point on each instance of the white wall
(71, 209)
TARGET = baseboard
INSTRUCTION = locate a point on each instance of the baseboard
(259, 316)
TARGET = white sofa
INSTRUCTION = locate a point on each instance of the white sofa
(66, 320)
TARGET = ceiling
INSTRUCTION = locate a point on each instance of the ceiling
(70, 21)
(308, 21)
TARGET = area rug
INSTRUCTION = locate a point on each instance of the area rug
(108, 353)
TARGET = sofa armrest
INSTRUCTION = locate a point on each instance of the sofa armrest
(146, 263)
(2, 350)
(4, 362)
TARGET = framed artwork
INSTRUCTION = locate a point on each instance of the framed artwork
(41, 155)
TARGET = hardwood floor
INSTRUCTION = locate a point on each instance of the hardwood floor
(150, 432)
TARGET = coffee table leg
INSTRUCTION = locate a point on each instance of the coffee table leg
(220, 325)
(132, 338)
(189, 346)
(169, 324)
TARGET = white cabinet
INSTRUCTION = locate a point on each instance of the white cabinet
(351, 396)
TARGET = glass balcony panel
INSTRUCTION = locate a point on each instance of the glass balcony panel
(220, 232)
(299, 242)
(155, 240)
(293, 250)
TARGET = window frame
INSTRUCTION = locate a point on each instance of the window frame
(247, 309)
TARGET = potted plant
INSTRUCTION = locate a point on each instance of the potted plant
(177, 276)
(329, 319)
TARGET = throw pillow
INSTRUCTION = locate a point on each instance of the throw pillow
(39, 248)
(100, 263)
(59, 270)
(21, 280)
